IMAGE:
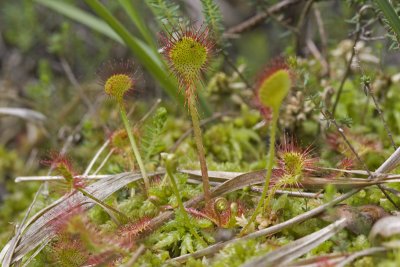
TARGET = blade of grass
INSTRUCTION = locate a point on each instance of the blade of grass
(391, 16)
(149, 58)
(138, 21)
(295, 249)
(82, 17)
(112, 28)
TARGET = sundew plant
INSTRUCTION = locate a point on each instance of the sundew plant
(199, 133)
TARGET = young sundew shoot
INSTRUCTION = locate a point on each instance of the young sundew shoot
(271, 91)
(188, 52)
(292, 164)
(63, 166)
(118, 79)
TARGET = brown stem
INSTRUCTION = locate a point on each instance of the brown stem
(330, 117)
(200, 148)
(380, 112)
(323, 37)
(261, 17)
(346, 74)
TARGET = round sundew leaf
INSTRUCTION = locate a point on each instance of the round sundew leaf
(117, 85)
(274, 89)
(188, 56)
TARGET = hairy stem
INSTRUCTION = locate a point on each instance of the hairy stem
(380, 112)
(175, 189)
(200, 149)
(135, 149)
(270, 164)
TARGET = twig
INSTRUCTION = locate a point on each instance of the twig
(358, 33)
(322, 33)
(104, 161)
(374, 38)
(390, 163)
(148, 114)
(282, 23)
(259, 18)
(368, 90)
(314, 50)
(380, 112)
(329, 117)
(235, 69)
(292, 193)
(303, 15)
(362, 28)
(26, 263)
(392, 190)
(341, 132)
(302, 29)
(346, 74)
(96, 156)
(358, 254)
(135, 256)
(57, 178)
(71, 77)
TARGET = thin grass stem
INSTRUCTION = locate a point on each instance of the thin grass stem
(135, 149)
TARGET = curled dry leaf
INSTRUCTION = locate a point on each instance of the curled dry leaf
(385, 228)
(24, 113)
(287, 253)
(359, 219)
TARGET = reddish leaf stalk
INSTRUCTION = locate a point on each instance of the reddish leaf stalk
(200, 149)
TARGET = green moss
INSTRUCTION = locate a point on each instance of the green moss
(238, 253)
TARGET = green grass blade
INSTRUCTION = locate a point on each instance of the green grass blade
(81, 17)
(391, 16)
(138, 21)
(147, 57)
(112, 28)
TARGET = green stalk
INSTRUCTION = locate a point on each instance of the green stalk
(200, 148)
(105, 206)
(270, 165)
(135, 149)
(188, 223)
